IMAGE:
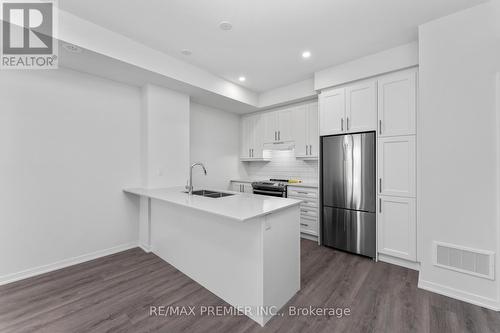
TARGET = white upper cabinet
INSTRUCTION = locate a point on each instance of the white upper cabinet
(285, 124)
(270, 125)
(361, 107)
(278, 125)
(251, 137)
(305, 130)
(397, 228)
(298, 124)
(299, 121)
(332, 111)
(349, 109)
(313, 130)
(397, 103)
(245, 137)
(396, 166)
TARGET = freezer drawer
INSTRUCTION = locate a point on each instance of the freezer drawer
(349, 230)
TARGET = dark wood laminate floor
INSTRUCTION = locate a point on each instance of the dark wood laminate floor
(114, 294)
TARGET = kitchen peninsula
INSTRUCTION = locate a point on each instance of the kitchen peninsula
(244, 248)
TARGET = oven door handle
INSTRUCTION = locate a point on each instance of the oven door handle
(276, 193)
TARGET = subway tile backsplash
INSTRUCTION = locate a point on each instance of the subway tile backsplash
(283, 165)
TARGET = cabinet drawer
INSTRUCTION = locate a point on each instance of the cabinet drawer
(309, 204)
(308, 212)
(302, 193)
(306, 202)
(309, 226)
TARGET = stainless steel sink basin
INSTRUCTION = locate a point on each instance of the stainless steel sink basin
(211, 194)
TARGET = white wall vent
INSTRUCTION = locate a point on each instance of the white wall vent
(465, 260)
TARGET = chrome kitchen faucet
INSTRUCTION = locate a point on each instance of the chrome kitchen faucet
(189, 186)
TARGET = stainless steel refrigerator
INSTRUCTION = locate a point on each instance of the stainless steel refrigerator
(348, 193)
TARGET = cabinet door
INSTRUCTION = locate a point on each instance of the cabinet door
(270, 125)
(285, 124)
(396, 166)
(245, 137)
(397, 103)
(312, 129)
(256, 144)
(361, 107)
(332, 111)
(299, 130)
(397, 227)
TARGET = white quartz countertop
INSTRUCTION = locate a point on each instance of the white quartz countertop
(303, 184)
(240, 206)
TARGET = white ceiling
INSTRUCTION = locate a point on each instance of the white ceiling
(268, 36)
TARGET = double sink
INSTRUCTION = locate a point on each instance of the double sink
(211, 194)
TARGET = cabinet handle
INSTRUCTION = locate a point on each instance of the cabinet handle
(279, 135)
(310, 149)
(306, 150)
(380, 185)
(380, 205)
(275, 136)
(304, 224)
(380, 126)
(252, 152)
(342, 124)
(347, 123)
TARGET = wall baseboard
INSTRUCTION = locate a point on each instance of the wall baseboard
(145, 248)
(9, 278)
(399, 262)
(478, 300)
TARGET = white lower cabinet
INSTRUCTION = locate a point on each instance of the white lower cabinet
(309, 214)
(241, 187)
(397, 229)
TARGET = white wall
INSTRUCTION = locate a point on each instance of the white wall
(69, 143)
(215, 139)
(400, 57)
(290, 93)
(457, 152)
(165, 137)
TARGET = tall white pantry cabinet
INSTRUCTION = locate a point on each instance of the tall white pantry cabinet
(387, 105)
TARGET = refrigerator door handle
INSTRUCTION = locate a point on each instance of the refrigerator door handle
(380, 185)
(380, 205)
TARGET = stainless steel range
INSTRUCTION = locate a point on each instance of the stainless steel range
(273, 187)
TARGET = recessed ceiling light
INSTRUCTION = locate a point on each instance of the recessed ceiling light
(306, 54)
(186, 52)
(72, 48)
(225, 25)
(242, 79)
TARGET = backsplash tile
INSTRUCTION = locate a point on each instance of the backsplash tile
(283, 165)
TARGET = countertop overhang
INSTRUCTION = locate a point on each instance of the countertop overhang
(240, 206)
